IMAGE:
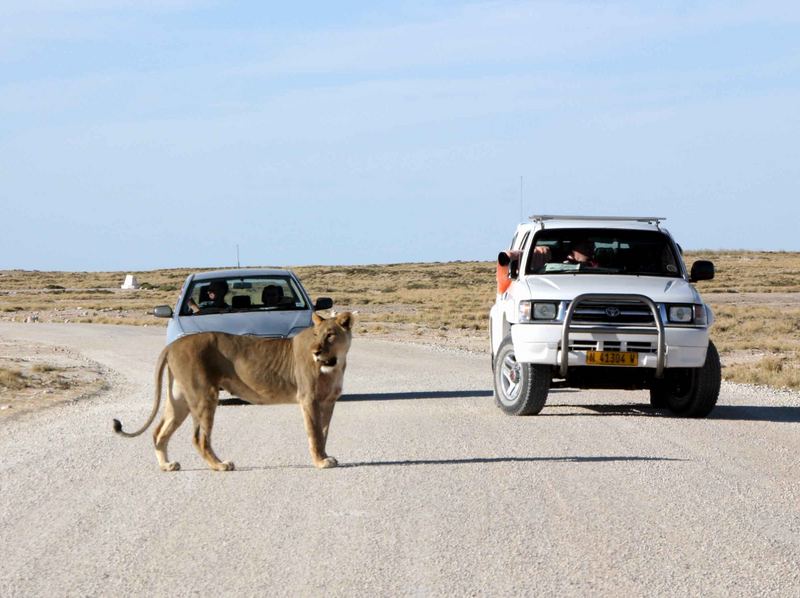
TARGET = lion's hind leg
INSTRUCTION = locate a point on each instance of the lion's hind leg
(203, 414)
(175, 412)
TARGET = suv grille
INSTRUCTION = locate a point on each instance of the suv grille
(601, 345)
(613, 313)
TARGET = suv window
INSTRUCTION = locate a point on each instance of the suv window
(603, 251)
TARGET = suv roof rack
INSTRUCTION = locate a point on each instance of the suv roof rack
(542, 217)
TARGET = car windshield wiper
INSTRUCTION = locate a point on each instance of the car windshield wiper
(645, 273)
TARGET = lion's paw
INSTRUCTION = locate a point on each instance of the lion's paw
(327, 463)
(171, 466)
(226, 466)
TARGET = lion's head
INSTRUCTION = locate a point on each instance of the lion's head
(331, 342)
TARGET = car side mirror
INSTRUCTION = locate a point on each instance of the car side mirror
(701, 270)
(162, 311)
(323, 303)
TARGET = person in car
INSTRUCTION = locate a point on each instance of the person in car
(272, 295)
(216, 297)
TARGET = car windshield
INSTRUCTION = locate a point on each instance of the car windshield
(249, 293)
(603, 251)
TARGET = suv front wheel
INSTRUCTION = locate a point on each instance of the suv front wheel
(519, 388)
(690, 392)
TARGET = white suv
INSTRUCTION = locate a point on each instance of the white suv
(601, 302)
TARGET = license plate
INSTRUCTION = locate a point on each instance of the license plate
(626, 358)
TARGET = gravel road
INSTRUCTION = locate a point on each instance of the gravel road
(439, 493)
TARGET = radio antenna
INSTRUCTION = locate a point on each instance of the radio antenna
(520, 200)
(237, 256)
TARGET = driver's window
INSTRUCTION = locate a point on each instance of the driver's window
(199, 295)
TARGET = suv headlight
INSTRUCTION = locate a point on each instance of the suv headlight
(682, 314)
(530, 311)
(687, 314)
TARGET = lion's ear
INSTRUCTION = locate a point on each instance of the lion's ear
(345, 320)
(317, 319)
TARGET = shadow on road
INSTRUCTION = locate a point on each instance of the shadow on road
(392, 396)
(777, 414)
(462, 461)
(758, 413)
(479, 460)
(233, 401)
(639, 410)
(424, 394)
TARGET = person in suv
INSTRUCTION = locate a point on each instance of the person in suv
(582, 253)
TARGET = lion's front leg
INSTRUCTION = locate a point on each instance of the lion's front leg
(313, 417)
(326, 410)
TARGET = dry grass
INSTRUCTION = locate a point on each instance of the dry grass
(452, 296)
(780, 371)
(751, 327)
(751, 271)
(36, 376)
(11, 379)
(42, 368)
(755, 296)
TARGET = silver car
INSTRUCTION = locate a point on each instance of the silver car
(269, 303)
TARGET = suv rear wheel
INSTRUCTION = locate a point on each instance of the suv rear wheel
(519, 388)
(690, 392)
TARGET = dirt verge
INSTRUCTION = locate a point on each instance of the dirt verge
(35, 376)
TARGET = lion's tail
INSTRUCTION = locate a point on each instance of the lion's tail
(160, 365)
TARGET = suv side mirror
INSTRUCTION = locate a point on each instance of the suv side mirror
(701, 270)
(511, 259)
(323, 303)
(162, 311)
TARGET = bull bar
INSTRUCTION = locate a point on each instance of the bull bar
(568, 326)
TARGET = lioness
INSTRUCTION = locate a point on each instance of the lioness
(307, 369)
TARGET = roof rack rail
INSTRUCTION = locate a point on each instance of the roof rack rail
(543, 217)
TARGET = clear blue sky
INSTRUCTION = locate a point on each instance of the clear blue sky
(139, 134)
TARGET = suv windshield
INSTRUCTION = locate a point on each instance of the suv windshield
(250, 293)
(603, 251)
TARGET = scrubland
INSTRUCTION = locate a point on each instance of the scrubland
(755, 297)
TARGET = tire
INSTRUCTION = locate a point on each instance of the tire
(519, 388)
(658, 398)
(690, 392)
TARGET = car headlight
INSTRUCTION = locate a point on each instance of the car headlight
(688, 314)
(531, 310)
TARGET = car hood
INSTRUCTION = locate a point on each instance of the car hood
(568, 286)
(259, 323)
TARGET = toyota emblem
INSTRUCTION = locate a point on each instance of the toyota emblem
(612, 312)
